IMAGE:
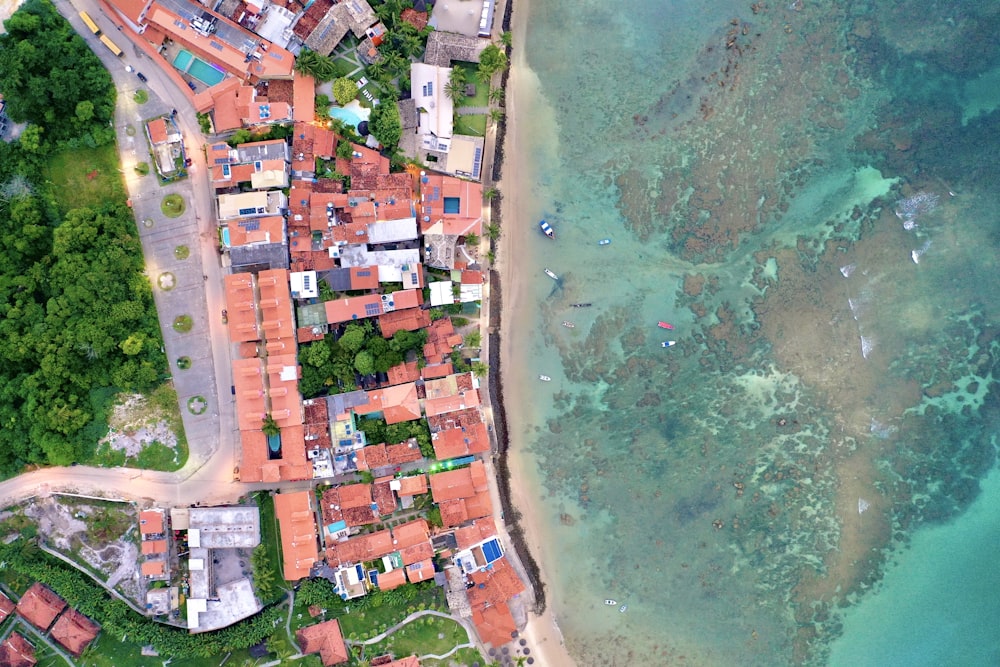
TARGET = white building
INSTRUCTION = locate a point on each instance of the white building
(435, 111)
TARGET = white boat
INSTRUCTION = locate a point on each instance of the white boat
(547, 229)
(545, 378)
(668, 343)
(604, 242)
(611, 603)
(623, 608)
(569, 325)
(551, 275)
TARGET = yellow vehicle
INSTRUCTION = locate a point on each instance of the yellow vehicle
(90, 23)
(111, 45)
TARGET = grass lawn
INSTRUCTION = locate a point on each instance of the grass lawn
(172, 206)
(464, 656)
(271, 539)
(85, 177)
(44, 653)
(428, 634)
(471, 125)
(482, 96)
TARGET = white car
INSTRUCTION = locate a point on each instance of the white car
(128, 68)
(362, 82)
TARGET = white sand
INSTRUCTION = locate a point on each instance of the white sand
(542, 633)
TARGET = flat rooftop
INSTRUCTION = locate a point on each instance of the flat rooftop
(226, 527)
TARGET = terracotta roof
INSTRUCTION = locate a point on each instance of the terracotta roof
(461, 483)
(360, 548)
(297, 525)
(151, 522)
(405, 372)
(411, 533)
(74, 631)
(410, 319)
(353, 308)
(275, 305)
(434, 190)
(352, 504)
(157, 131)
(474, 533)
(40, 605)
(385, 499)
(154, 547)
(16, 651)
(494, 624)
(420, 571)
(325, 639)
(372, 456)
(496, 585)
(364, 277)
(404, 452)
(392, 579)
(152, 568)
(417, 553)
(412, 486)
(269, 229)
(417, 19)
(241, 307)
(7, 607)
(397, 404)
(455, 442)
(437, 371)
(472, 277)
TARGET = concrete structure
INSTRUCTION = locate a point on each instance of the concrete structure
(235, 526)
(251, 204)
(435, 109)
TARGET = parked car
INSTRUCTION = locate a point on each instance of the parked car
(142, 77)
(192, 86)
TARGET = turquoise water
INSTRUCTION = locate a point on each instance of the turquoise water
(346, 115)
(183, 59)
(808, 193)
(205, 73)
(225, 236)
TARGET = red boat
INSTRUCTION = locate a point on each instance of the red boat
(664, 325)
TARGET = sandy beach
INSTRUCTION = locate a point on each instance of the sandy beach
(542, 631)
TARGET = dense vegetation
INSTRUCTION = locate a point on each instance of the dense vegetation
(25, 563)
(76, 311)
(378, 431)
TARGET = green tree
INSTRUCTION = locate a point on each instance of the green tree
(507, 38)
(133, 344)
(496, 115)
(316, 354)
(31, 138)
(493, 231)
(364, 363)
(496, 95)
(345, 150)
(473, 339)
(385, 124)
(269, 426)
(471, 240)
(492, 59)
(264, 576)
(490, 193)
(344, 90)
(353, 338)
(320, 67)
(455, 88)
(480, 369)
(84, 111)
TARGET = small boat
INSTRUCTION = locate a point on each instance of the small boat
(545, 378)
(604, 242)
(547, 229)
(611, 603)
(569, 325)
(551, 275)
(581, 305)
(623, 608)
(668, 343)
(664, 325)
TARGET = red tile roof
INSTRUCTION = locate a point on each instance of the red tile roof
(468, 220)
(360, 548)
(40, 605)
(241, 307)
(351, 504)
(7, 607)
(353, 308)
(157, 130)
(364, 277)
(455, 442)
(16, 651)
(404, 452)
(461, 483)
(297, 525)
(397, 404)
(325, 639)
(497, 584)
(154, 547)
(474, 533)
(417, 553)
(152, 568)
(151, 522)
(74, 631)
(405, 372)
(412, 486)
(410, 319)
(384, 498)
(437, 371)
(411, 533)
(392, 579)
(495, 624)
(421, 571)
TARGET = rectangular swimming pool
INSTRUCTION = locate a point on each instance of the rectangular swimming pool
(182, 60)
(205, 73)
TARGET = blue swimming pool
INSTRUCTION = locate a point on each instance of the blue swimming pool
(345, 115)
(274, 443)
(198, 68)
(492, 550)
(225, 236)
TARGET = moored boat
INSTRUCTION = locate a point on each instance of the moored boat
(664, 325)
(623, 608)
(547, 229)
(569, 325)
(668, 343)
(545, 378)
(551, 275)
(611, 603)
(604, 242)
(581, 305)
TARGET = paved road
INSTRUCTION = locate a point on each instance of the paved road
(198, 292)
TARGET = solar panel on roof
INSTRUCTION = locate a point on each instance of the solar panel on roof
(216, 46)
(373, 309)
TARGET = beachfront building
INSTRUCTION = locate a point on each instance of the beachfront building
(472, 19)
(435, 109)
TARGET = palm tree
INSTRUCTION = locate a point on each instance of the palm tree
(455, 92)
(507, 38)
(490, 193)
(493, 231)
(480, 370)
(496, 115)
(496, 95)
